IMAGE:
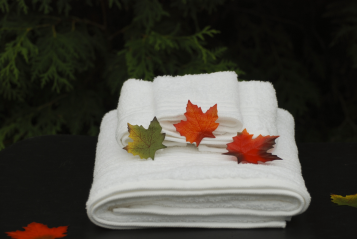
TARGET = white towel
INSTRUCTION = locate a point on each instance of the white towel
(136, 106)
(171, 95)
(258, 105)
(167, 97)
(183, 187)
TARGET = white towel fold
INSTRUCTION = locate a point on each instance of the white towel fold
(183, 187)
(171, 95)
(136, 106)
(258, 105)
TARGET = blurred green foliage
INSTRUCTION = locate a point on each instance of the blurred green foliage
(62, 63)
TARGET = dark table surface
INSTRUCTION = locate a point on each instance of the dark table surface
(47, 180)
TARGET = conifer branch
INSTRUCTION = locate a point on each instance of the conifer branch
(111, 37)
(275, 18)
(54, 31)
(100, 26)
(72, 18)
(61, 56)
(26, 28)
(48, 104)
(104, 13)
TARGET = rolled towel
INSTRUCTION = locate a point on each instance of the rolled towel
(136, 106)
(183, 187)
(171, 95)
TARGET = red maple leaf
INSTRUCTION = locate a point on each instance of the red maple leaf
(250, 150)
(198, 125)
(36, 230)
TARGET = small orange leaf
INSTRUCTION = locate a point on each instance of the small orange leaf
(250, 150)
(36, 230)
(349, 200)
(198, 125)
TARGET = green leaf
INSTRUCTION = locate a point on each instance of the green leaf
(45, 5)
(60, 57)
(116, 2)
(63, 6)
(148, 12)
(4, 6)
(22, 6)
(349, 200)
(146, 141)
(13, 63)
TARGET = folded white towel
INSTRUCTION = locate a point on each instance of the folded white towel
(167, 97)
(183, 187)
(171, 95)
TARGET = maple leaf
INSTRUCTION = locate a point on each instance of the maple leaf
(349, 200)
(198, 125)
(146, 141)
(250, 150)
(36, 230)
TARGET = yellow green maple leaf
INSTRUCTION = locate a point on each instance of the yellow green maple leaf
(146, 141)
(349, 200)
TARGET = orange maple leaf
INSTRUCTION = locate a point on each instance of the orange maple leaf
(250, 150)
(36, 230)
(198, 125)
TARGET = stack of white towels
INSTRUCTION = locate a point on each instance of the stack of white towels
(186, 186)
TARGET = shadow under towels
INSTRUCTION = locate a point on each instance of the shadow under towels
(183, 187)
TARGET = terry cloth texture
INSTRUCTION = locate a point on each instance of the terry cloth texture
(166, 98)
(184, 187)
